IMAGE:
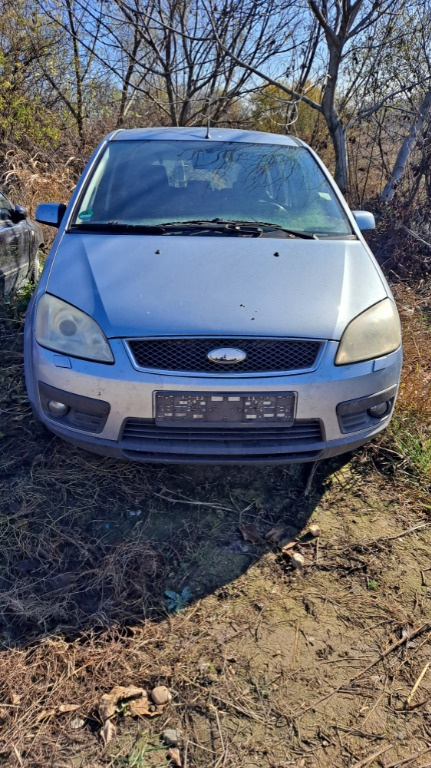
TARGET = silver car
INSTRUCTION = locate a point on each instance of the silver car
(209, 297)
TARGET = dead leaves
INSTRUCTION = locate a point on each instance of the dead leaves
(133, 701)
(62, 709)
(143, 707)
(297, 549)
(109, 701)
(174, 756)
(314, 530)
(126, 700)
(294, 546)
(249, 533)
(107, 732)
(65, 708)
(297, 560)
(285, 549)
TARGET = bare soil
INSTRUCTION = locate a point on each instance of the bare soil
(269, 666)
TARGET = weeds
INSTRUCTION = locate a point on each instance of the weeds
(137, 757)
(20, 300)
(413, 443)
(177, 601)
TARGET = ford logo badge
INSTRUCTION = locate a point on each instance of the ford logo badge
(226, 356)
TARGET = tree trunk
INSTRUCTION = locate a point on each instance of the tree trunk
(338, 136)
(336, 129)
(406, 148)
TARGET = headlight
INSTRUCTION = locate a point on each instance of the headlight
(373, 333)
(63, 328)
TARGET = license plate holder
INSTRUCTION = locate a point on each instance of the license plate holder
(225, 408)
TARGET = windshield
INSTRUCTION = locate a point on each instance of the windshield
(150, 183)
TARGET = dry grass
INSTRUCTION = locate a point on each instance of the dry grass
(406, 447)
(415, 311)
(269, 668)
(33, 178)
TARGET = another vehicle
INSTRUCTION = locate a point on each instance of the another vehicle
(209, 297)
(20, 240)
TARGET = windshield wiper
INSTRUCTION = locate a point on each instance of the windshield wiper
(270, 225)
(244, 228)
(118, 227)
(222, 226)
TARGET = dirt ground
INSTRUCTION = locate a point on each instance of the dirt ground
(325, 666)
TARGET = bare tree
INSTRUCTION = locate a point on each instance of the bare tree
(188, 72)
(76, 69)
(341, 24)
(411, 68)
(163, 53)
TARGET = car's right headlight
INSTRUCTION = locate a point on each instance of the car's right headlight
(64, 328)
(373, 333)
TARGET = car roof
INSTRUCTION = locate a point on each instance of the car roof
(211, 134)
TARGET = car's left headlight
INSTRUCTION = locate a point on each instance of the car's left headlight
(64, 328)
(371, 334)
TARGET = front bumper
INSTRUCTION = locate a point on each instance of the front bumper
(129, 430)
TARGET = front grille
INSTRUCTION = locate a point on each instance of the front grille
(190, 355)
(144, 435)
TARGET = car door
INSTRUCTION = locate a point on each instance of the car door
(14, 248)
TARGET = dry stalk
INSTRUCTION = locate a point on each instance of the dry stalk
(417, 684)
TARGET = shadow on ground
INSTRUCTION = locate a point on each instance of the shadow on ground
(87, 542)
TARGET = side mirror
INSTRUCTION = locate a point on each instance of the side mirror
(19, 213)
(365, 220)
(50, 213)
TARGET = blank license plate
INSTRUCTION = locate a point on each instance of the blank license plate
(195, 407)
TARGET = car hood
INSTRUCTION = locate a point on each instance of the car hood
(198, 285)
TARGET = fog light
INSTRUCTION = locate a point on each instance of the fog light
(380, 410)
(57, 409)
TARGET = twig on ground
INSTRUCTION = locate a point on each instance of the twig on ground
(383, 539)
(379, 698)
(191, 502)
(408, 760)
(417, 684)
(367, 760)
(222, 759)
(18, 756)
(295, 645)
